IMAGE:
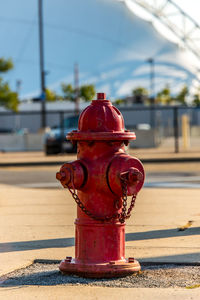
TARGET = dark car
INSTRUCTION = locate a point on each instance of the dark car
(6, 130)
(55, 139)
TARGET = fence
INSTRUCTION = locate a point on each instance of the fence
(166, 123)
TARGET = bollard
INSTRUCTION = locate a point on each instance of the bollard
(185, 132)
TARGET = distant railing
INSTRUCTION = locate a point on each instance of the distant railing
(167, 120)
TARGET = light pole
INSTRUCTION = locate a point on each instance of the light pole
(152, 90)
(76, 87)
(42, 72)
(18, 86)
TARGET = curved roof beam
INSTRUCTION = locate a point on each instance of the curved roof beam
(186, 30)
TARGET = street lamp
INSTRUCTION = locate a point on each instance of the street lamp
(42, 72)
(152, 90)
(152, 79)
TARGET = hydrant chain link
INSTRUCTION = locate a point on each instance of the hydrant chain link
(125, 215)
(131, 206)
(87, 212)
(124, 198)
(122, 216)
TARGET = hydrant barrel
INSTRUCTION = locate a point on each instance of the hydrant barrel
(99, 181)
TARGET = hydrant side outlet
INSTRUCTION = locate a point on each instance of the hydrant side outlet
(99, 181)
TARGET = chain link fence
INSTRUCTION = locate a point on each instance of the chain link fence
(174, 128)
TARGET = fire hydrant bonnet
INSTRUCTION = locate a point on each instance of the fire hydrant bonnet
(101, 121)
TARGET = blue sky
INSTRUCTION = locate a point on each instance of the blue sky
(110, 44)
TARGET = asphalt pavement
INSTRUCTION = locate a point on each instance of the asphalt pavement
(186, 175)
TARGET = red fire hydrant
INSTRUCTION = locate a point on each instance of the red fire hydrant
(103, 175)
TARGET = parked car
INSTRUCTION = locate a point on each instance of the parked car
(55, 138)
(6, 130)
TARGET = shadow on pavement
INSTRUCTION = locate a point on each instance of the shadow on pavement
(188, 259)
(38, 244)
(161, 234)
(69, 242)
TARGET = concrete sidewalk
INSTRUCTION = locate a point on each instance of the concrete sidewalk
(10, 159)
(39, 224)
(96, 293)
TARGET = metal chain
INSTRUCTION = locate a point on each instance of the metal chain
(125, 215)
(121, 216)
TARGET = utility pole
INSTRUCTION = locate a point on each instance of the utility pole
(42, 72)
(176, 130)
(17, 116)
(76, 87)
(18, 86)
(152, 90)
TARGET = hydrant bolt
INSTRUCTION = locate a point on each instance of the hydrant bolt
(68, 258)
(60, 175)
(99, 181)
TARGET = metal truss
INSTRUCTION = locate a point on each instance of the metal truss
(185, 28)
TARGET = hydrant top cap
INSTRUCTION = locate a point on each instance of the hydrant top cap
(101, 121)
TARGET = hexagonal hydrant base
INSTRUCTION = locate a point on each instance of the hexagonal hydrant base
(104, 270)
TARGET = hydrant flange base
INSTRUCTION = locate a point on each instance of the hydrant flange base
(104, 270)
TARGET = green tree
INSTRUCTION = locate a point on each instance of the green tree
(68, 92)
(182, 95)
(118, 101)
(164, 96)
(8, 98)
(50, 95)
(140, 94)
(5, 65)
(196, 100)
(138, 91)
(86, 92)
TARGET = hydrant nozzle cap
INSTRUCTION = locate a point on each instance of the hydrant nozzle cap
(101, 96)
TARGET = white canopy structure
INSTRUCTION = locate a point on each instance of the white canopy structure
(112, 41)
(177, 21)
